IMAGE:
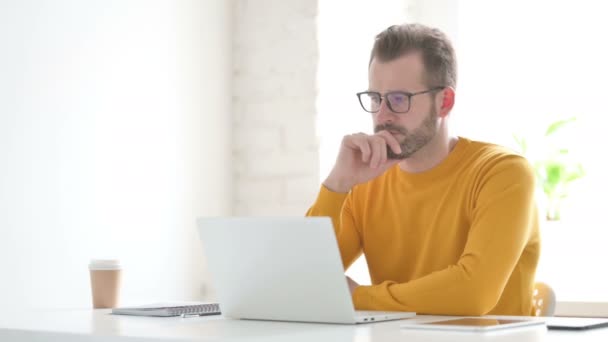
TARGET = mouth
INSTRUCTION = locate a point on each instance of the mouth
(392, 129)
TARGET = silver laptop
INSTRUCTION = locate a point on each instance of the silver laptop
(284, 269)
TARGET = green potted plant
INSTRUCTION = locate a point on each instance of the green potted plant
(554, 167)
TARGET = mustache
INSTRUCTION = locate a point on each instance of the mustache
(390, 127)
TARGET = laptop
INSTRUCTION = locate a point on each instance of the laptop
(281, 269)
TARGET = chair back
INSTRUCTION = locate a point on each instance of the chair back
(543, 300)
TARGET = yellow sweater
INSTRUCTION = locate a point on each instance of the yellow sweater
(459, 239)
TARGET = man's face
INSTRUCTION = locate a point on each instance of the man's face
(418, 126)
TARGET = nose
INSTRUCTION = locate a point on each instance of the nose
(384, 114)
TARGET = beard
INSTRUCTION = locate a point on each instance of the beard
(414, 140)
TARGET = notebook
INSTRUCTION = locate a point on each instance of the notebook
(576, 323)
(281, 269)
(170, 309)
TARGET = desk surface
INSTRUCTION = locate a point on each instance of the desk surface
(99, 325)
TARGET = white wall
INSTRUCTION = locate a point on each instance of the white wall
(114, 136)
(276, 149)
(519, 76)
(344, 57)
(344, 51)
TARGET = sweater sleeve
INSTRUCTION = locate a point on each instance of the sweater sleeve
(337, 206)
(503, 215)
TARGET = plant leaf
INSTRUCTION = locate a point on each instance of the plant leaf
(557, 125)
(521, 142)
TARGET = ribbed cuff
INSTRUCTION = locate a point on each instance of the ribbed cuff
(327, 198)
(362, 298)
(328, 203)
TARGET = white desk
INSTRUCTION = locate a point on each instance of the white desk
(98, 325)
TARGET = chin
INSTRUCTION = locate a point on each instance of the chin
(399, 156)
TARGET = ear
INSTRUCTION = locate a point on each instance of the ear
(446, 101)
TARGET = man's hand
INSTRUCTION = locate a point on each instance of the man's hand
(352, 285)
(361, 158)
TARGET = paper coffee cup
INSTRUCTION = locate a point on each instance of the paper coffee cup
(105, 264)
(105, 282)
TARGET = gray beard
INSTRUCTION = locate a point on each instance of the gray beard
(412, 141)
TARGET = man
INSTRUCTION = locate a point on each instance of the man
(447, 225)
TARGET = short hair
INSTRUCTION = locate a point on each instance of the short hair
(437, 52)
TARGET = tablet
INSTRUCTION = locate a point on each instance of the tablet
(472, 324)
(576, 323)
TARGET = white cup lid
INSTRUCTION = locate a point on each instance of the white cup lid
(104, 264)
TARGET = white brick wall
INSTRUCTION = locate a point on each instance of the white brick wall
(276, 155)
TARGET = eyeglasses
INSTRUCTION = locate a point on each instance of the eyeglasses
(397, 101)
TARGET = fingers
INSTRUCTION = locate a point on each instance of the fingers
(364, 146)
(373, 148)
(378, 147)
(391, 141)
(359, 142)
